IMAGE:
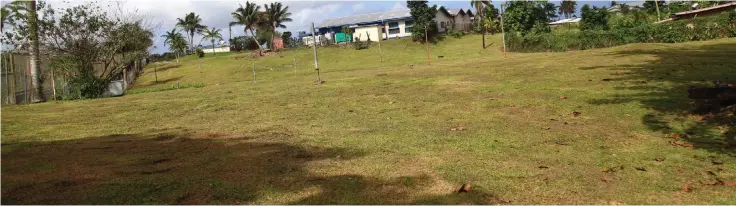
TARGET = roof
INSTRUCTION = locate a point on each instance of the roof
(455, 12)
(571, 20)
(706, 9)
(366, 18)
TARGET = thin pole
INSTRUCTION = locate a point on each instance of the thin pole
(316, 62)
(7, 79)
(426, 42)
(53, 84)
(11, 81)
(125, 78)
(294, 65)
(380, 38)
(657, 6)
(155, 73)
(254, 72)
(503, 33)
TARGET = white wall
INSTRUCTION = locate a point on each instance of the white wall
(462, 22)
(363, 33)
(217, 50)
(402, 33)
(442, 17)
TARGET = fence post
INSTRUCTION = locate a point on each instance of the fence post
(125, 78)
(11, 81)
(316, 63)
(294, 65)
(426, 41)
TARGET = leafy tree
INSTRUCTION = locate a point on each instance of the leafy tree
(594, 18)
(286, 36)
(651, 8)
(85, 36)
(523, 16)
(567, 8)
(11, 13)
(192, 24)
(276, 15)
(480, 6)
(249, 17)
(551, 10)
(174, 39)
(213, 35)
(423, 16)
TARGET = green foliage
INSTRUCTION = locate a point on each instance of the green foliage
(455, 33)
(523, 16)
(593, 18)
(166, 88)
(241, 43)
(200, 52)
(651, 8)
(567, 8)
(704, 28)
(423, 16)
(249, 17)
(286, 36)
(358, 44)
(192, 24)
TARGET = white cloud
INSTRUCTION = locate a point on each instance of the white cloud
(399, 6)
(358, 7)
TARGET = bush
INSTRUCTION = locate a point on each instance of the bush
(200, 52)
(358, 44)
(703, 28)
(455, 33)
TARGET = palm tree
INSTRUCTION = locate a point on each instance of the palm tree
(276, 14)
(37, 94)
(567, 8)
(178, 45)
(479, 7)
(191, 24)
(249, 17)
(171, 38)
(213, 35)
(11, 13)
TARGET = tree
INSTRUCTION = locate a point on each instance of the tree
(551, 10)
(614, 3)
(36, 77)
(11, 12)
(85, 37)
(525, 17)
(593, 18)
(191, 24)
(423, 16)
(286, 36)
(249, 17)
(567, 8)
(276, 14)
(213, 35)
(173, 38)
(479, 6)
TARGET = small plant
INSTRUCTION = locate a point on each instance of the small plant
(358, 44)
(455, 33)
(200, 52)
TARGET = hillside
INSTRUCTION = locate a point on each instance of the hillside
(393, 132)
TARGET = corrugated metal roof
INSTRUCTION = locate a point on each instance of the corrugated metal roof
(706, 9)
(454, 11)
(365, 18)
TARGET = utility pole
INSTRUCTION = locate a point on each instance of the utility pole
(314, 47)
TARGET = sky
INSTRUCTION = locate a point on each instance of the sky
(163, 13)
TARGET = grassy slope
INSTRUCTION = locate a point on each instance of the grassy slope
(380, 132)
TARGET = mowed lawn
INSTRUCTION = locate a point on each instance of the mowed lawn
(389, 130)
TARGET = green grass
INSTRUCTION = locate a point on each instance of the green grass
(385, 132)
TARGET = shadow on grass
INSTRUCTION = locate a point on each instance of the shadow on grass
(182, 167)
(661, 85)
(165, 81)
(167, 67)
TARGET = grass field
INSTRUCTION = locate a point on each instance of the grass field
(396, 131)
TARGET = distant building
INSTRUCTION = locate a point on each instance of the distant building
(392, 24)
(461, 19)
(573, 20)
(713, 10)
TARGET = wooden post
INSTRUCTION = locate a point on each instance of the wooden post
(7, 91)
(503, 34)
(11, 81)
(426, 41)
(254, 72)
(53, 84)
(316, 62)
(380, 39)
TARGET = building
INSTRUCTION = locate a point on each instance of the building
(573, 20)
(461, 19)
(393, 24)
(713, 10)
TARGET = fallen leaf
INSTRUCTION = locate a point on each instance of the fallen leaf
(717, 162)
(659, 159)
(464, 188)
(390, 102)
(604, 179)
(575, 114)
(563, 97)
(731, 183)
(543, 167)
(686, 188)
(458, 128)
(674, 135)
(641, 169)
(547, 128)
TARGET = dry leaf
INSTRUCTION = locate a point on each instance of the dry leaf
(674, 135)
(686, 188)
(714, 182)
(563, 97)
(604, 179)
(464, 188)
(659, 159)
(615, 202)
(575, 114)
(731, 183)
(711, 173)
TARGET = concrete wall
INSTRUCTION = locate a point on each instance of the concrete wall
(462, 22)
(402, 30)
(217, 50)
(363, 33)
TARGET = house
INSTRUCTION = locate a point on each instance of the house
(461, 19)
(393, 24)
(573, 20)
(713, 10)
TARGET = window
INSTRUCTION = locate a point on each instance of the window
(407, 26)
(394, 31)
(442, 24)
(393, 25)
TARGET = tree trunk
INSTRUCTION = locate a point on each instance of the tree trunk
(213, 48)
(37, 95)
(255, 39)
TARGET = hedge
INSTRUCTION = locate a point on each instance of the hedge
(698, 29)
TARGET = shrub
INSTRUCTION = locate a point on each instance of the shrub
(358, 44)
(455, 33)
(704, 28)
(200, 52)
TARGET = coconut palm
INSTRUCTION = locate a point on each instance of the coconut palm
(567, 8)
(191, 24)
(32, 15)
(276, 14)
(479, 6)
(178, 45)
(249, 17)
(171, 38)
(213, 35)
